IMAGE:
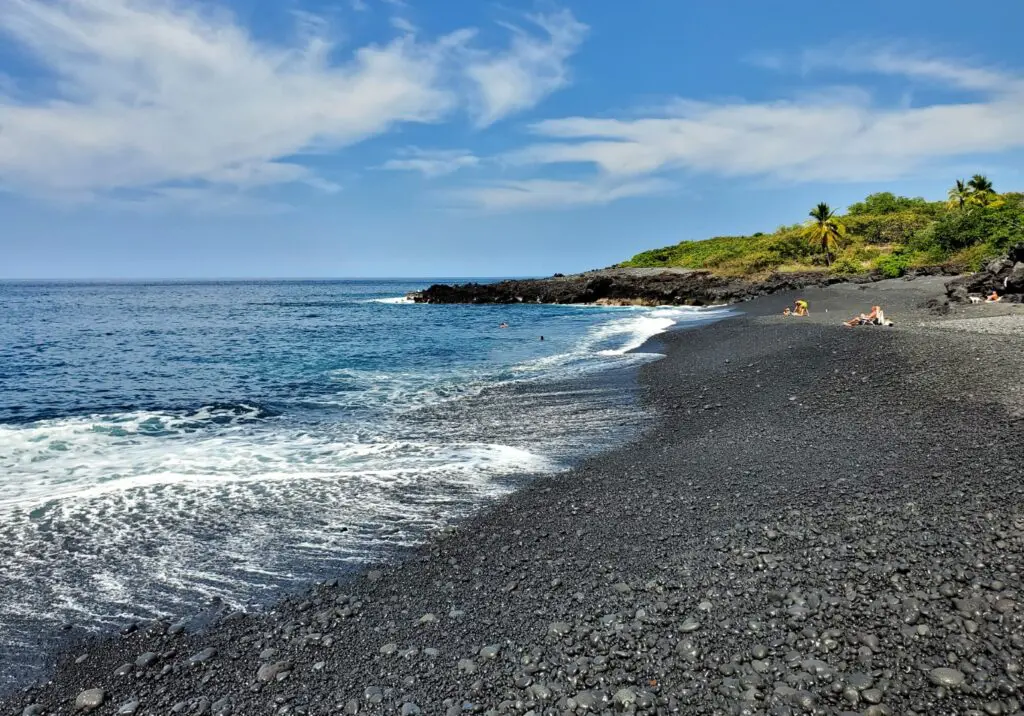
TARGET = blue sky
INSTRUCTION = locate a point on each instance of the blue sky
(305, 138)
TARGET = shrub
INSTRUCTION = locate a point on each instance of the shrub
(889, 228)
(885, 202)
(1000, 226)
(864, 252)
(791, 245)
(973, 258)
(894, 265)
(845, 266)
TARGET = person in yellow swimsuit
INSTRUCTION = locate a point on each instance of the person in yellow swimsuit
(801, 308)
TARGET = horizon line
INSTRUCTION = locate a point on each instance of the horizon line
(182, 279)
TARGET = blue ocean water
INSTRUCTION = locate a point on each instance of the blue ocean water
(165, 444)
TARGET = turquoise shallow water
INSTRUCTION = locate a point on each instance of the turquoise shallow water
(165, 444)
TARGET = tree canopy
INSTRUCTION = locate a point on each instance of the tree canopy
(883, 232)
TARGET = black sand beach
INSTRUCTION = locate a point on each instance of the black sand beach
(822, 520)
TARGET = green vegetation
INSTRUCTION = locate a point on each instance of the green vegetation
(884, 232)
(824, 231)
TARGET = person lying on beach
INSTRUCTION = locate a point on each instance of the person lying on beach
(875, 318)
(787, 312)
(993, 298)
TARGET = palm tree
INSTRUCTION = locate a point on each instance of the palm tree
(980, 183)
(959, 195)
(981, 190)
(823, 230)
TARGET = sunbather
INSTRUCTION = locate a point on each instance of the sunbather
(993, 298)
(876, 318)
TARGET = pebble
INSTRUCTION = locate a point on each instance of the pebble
(559, 628)
(943, 676)
(625, 697)
(147, 659)
(90, 699)
(272, 672)
(690, 624)
(490, 652)
(203, 656)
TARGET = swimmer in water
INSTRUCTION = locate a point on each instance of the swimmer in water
(503, 325)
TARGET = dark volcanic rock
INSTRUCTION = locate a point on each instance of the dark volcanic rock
(642, 286)
(1004, 275)
(652, 287)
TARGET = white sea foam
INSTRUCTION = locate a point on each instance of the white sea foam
(392, 299)
(612, 342)
(135, 513)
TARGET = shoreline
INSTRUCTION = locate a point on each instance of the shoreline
(650, 546)
(645, 287)
(580, 399)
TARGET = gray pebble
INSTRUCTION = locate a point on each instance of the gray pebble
(943, 676)
(90, 699)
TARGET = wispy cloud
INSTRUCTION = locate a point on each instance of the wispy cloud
(531, 69)
(555, 193)
(432, 162)
(894, 60)
(149, 93)
(829, 136)
(404, 25)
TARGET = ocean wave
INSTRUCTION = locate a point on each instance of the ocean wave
(143, 512)
(392, 300)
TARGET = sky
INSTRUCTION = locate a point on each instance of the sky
(416, 138)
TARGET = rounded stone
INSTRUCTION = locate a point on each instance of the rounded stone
(90, 699)
(943, 676)
(203, 656)
(559, 628)
(147, 659)
(270, 672)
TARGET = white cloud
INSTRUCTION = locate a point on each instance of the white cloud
(432, 162)
(832, 136)
(529, 71)
(556, 193)
(155, 93)
(917, 65)
(403, 25)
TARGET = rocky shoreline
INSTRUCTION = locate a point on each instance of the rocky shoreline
(824, 520)
(1003, 275)
(647, 287)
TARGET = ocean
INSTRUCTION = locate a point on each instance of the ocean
(169, 446)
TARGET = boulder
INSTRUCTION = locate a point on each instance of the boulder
(1004, 275)
(1015, 279)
